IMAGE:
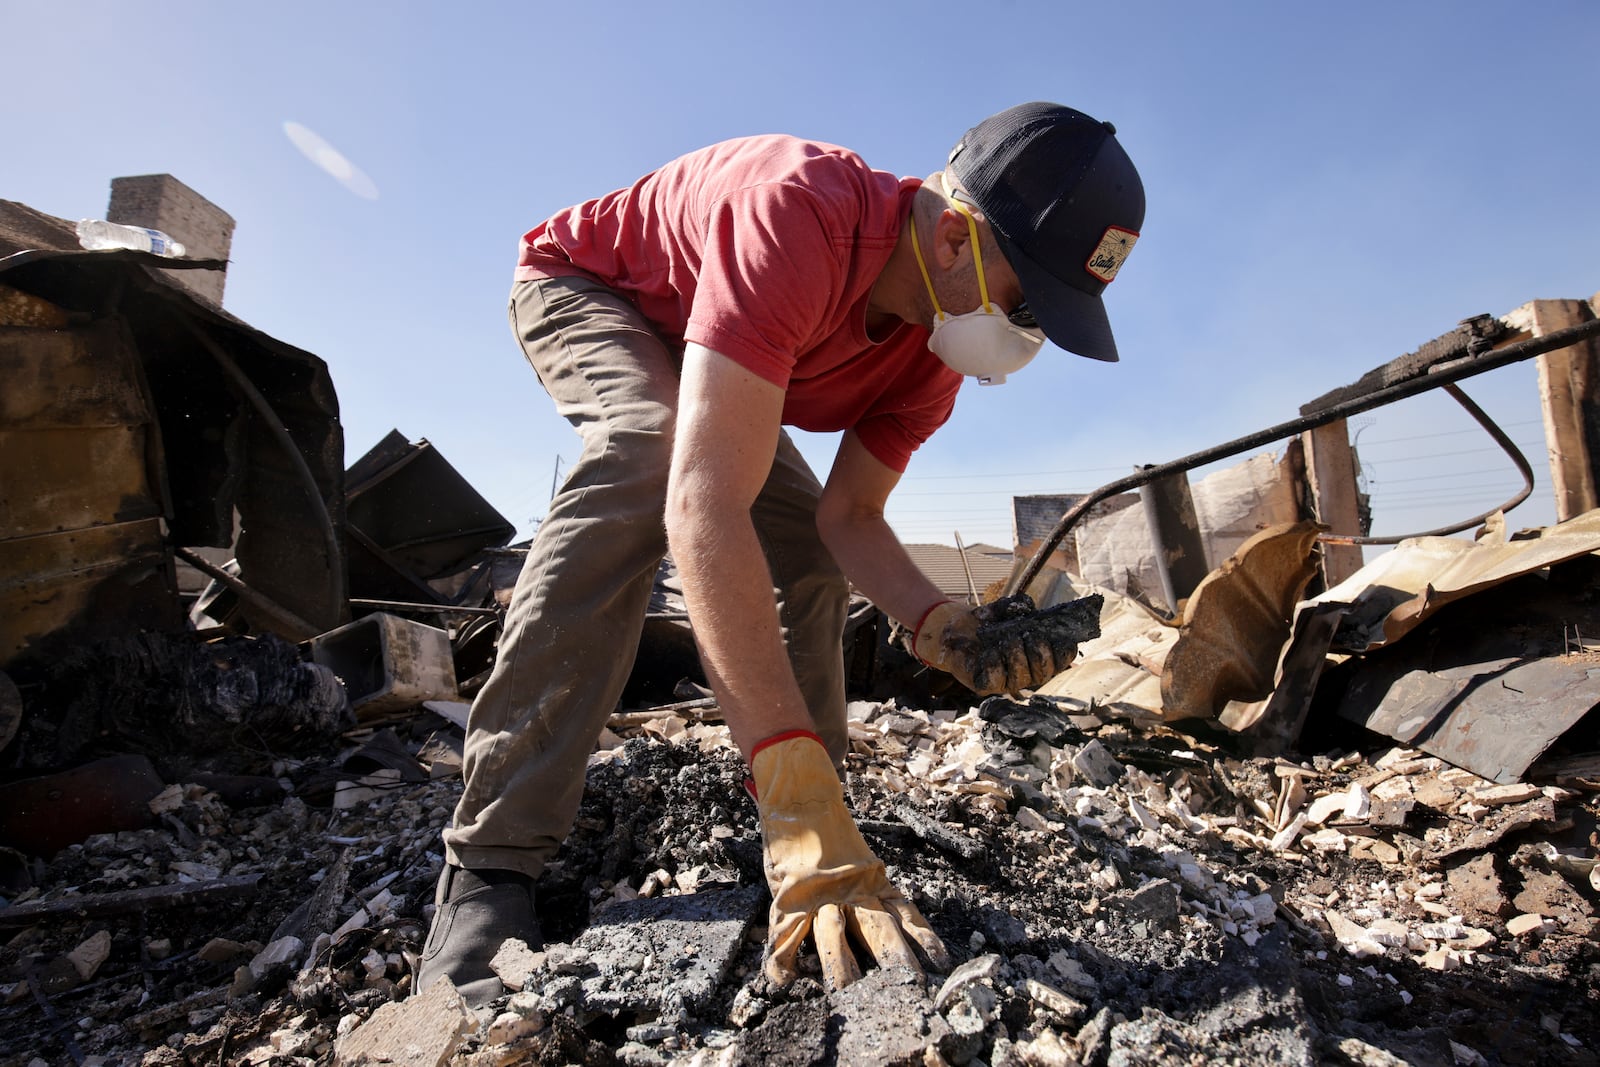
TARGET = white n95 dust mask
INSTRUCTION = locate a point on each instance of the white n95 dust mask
(983, 342)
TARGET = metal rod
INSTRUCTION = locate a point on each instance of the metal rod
(297, 626)
(972, 586)
(440, 609)
(1506, 444)
(1439, 375)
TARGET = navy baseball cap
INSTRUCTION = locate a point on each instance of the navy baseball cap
(1065, 204)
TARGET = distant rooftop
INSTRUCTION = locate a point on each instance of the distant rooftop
(942, 564)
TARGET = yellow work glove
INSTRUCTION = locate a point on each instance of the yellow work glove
(824, 879)
(1005, 660)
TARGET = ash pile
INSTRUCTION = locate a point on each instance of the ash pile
(1113, 892)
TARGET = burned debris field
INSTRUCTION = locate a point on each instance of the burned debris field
(1111, 894)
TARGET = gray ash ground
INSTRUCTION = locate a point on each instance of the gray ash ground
(1091, 914)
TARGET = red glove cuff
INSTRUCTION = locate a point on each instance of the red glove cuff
(916, 631)
(787, 735)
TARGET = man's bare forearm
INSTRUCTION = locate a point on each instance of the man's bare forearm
(851, 521)
(728, 590)
(878, 565)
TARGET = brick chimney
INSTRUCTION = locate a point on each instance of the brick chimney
(162, 202)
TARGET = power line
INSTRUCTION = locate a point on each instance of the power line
(1014, 474)
(1523, 445)
(1450, 433)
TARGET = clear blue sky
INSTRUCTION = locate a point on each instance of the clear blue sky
(1329, 186)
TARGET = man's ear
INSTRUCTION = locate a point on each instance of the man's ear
(950, 237)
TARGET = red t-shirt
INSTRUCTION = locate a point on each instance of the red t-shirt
(765, 249)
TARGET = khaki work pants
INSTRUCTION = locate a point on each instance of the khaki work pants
(573, 627)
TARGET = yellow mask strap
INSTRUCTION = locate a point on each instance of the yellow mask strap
(916, 247)
(972, 232)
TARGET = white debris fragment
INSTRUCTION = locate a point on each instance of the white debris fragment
(1195, 876)
(1390, 933)
(167, 801)
(1142, 816)
(195, 872)
(283, 950)
(1441, 959)
(1180, 811)
(1358, 802)
(1527, 923)
(1095, 764)
(1326, 840)
(1106, 879)
(1284, 838)
(1029, 819)
(1443, 931)
(1326, 807)
(1053, 999)
(973, 971)
(1072, 972)
(1262, 909)
(1515, 793)
(355, 922)
(1353, 937)
(90, 954)
(511, 1025)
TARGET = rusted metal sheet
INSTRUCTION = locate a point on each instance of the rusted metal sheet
(1180, 551)
(1488, 684)
(82, 585)
(81, 496)
(412, 518)
(1494, 718)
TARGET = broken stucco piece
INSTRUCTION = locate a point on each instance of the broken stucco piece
(887, 1019)
(1488, 684)
(283, 951)
(659, 954)
(88, 956)
(424, 1031)
(515, 962)
(1094, 764)
(1525, 924)
(978, 969)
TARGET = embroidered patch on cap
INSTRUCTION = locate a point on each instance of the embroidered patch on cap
(1111, 253)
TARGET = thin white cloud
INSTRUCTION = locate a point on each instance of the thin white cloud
(331, 160)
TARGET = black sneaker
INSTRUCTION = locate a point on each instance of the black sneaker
(474, 912)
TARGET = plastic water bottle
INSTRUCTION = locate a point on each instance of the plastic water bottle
(97, 234)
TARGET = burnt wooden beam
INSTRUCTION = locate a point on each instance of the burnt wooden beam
(1569, 397)
(1335, 496)
(146, 898)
